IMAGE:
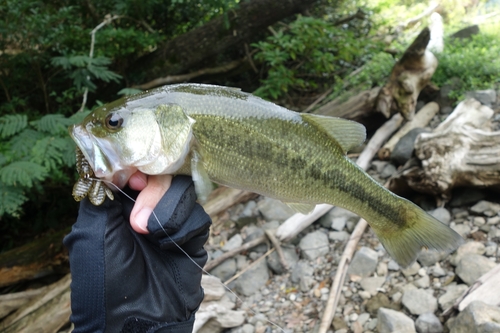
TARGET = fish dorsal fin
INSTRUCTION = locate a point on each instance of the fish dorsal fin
(300, 207)
(349, 134)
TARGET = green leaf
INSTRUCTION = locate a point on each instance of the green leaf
(11, 200)
(22, 173)
(129, 91)
(11, 124)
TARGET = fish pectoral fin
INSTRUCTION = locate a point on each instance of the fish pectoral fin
(349, 134)
(202, 183)
(302, 208)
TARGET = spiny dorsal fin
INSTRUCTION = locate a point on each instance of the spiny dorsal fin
(349, 134)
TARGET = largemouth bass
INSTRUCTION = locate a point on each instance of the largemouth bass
(222, 135)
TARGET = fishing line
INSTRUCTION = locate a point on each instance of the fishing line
(187, 255)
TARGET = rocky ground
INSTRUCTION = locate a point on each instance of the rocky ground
(378, 296)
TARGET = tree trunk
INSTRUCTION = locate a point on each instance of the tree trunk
(214, 37)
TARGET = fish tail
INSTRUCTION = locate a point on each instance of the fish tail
(418, 230)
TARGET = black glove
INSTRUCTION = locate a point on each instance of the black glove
(127, 282)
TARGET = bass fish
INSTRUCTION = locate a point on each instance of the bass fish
(222, 135)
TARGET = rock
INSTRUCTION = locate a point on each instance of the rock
(465, 249)
(250, 209)
(494, 220)
(486, 208)
(430, 257)
(466, 195)
(491, 249)
(466, 32)
(442, 214)
(428, 323)
(423, 282)
(364, 262)
(477, 317)
(486, 97)
(212, 287)
(472, 266)
(382, 269)
(225, 270)
(314, 245)
(411, 270)
(371, 284)
(254, 278)
(453, 292)
(380, 301)
(233, 243)
(291, 258)
(378, 166)
(337, 218)
(390, 321)
(338, 236)
(388, 171)
(437, 271)
(403, 150)
(302, 274)
(418, 301)
(462, 229)
(363, 318)
(272, 209)
(393, 266)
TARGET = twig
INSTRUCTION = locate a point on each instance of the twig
(277, 246)
(249, 266)
(213, 263)
(319, 99)
(384, 132)
(431, 9)
(421, 119)
(107, 20)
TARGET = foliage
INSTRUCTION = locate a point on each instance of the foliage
(309, 53)
(470, 64)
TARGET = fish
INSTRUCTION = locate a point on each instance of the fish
(225, 136)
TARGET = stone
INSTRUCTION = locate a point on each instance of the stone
(392, 265)
(372, 284)
(380, 301)
(253, 279)
(423, 282)
(272, 209)
(337, 218)
(382, 269)
(418, 301)
(388, 171)
(338, 236)
(463, 196)
(491, 249)
(405, 147)
(378, 166)
(462, 229)
(233, 243)
(225, 270)
(442, 214)
(390, 321)
(428, 323)
(314, 245)
(465, 249)
(486, 208)
(429, 257)
(477, 317)
(486, 97)
(302, 274)
(411, 270)
(291, 259)
(472, 266)
(364, 262)
(363, 318)
(453, 292)
(437, 271)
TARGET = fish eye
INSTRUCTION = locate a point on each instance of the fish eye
(113, 121)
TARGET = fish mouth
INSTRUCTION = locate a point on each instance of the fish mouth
(100, 158)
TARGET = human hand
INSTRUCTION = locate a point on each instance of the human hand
(126, 281)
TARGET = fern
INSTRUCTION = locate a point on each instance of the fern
(21, 144)
(52, 124)
(49, 152)
(22, 174)
(11, 124)
(11, 200)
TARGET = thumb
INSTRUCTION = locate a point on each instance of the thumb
(148, 198)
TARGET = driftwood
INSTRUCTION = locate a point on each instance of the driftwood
(42, 257)
(421, 119)
(14, 301)
(461, 151)
(253, 243)
(355, 108)
(223, 198)
(47, 312)
(298, 222)
(408, 77)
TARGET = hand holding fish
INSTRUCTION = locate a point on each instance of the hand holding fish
(123, 281)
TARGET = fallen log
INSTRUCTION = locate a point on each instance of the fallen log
(462, 151)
